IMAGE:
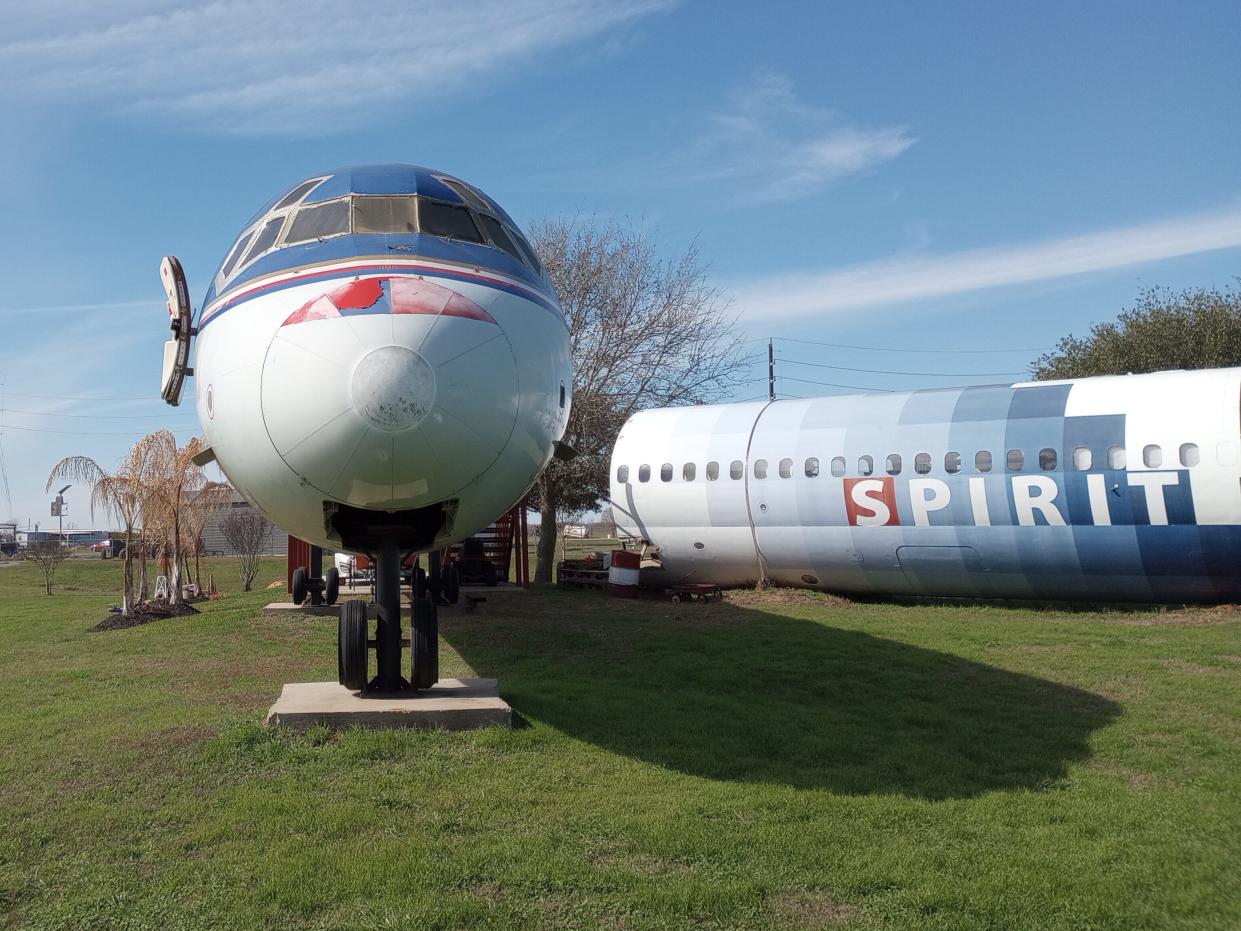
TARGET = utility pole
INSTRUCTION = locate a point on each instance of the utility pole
(771, 372)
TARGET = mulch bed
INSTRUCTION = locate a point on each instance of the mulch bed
(144, 615)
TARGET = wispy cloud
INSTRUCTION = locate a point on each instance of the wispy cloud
(775, 147)
(268, 66)
(909, 278)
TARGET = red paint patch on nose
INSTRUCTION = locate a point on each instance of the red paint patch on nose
(357, 295)
(419, 296)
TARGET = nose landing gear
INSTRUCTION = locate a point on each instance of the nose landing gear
(319, 586)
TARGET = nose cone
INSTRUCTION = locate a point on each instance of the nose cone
(390, 392)
(393, 388)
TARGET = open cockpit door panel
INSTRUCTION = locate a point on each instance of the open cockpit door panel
(177, 349)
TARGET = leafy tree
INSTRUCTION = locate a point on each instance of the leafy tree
(644, 332)
(1192, 329)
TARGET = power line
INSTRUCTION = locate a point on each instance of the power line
(814, 342)
(845, 368)
(830, 384)
(16, 410)
(58, 397)
(88, 432)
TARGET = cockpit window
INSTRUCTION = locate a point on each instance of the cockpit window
(502, 240)
(384, 215)
(235, 254)
(447, 220)
(468, 194)
(532, 258)
(266, 237)
(298, 193)
(319, 221)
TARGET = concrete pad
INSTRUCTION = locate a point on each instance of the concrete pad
(450, 704)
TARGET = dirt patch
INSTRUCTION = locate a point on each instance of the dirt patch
(785, 597)
(810, 909)
(144, 615)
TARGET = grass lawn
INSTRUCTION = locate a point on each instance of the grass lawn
(779, 760)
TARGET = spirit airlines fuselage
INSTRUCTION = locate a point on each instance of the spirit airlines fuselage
(381, 352)
(1106, 488)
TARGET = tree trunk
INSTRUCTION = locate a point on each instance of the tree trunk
(142, 563)
(174, 583)
(547, 532)
(127, 596)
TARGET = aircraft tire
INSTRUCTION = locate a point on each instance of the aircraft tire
(424, 644)
(299, 585)
(351, 649)
(452, 585)
(331, 585)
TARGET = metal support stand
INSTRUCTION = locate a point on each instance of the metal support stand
(435, 576)
(388, 628)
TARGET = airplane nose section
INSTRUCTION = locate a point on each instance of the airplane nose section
(390, 393)
(393, 388)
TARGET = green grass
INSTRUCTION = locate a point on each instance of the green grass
(780, 760)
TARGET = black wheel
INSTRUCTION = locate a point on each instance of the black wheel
(331, 585)
(299, 585)
(676, 599)
(351, 648)
(490, 577)
(424, 644)
(418, 583)
(452, 585)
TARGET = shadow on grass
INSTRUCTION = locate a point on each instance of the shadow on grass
(732, 693)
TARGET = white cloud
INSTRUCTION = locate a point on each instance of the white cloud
(909, 278)
(777, 148)
(267, 66)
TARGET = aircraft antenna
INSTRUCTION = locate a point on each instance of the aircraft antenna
(771, 371)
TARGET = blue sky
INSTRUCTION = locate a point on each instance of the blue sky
(948, 177)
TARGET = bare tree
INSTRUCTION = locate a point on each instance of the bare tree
(246, 531)
(49, 554)
(212, 498)
(644, 332)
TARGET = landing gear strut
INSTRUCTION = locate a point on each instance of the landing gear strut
(353, 643)
(321, 588)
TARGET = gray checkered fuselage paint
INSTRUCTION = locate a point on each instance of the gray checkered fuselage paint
(1118, 488)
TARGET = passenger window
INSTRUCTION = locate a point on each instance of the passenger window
(922, 463)
(644, 473)
(384, 215)
(265, 239)
(447, 220)
(688, 471)
(760, 468)
(982, 460)
(713, 471)
(865, 465)
(622, 474)
(1153, 456)
(736, 470)
(952, 463)
(1082, 458)
(786, 468)
(1116, 457)
(665, 472)
(319, 221)
(894, 464)
(1047, 459)
(1189, 455)
(838, 466)
(1016, 460)
(812, 467)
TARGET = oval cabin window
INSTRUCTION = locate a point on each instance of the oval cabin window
(922, 463)
(893, 464)
(688, 471)
(812, 467)
(1115, 457)
(838, 466)
(952, 463)
(1016, 460)
(736, 470)
(1047, 459)
(1152, 456)
(1082, 458)
(644, 473)
(713, 471)
(786, 468)
(665, 472)
(982, 460)
(622, 474)
(760, 468)
(865, 465)
(1189, 455)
